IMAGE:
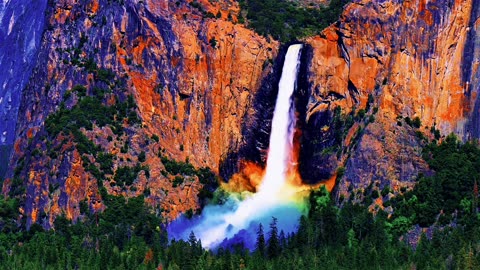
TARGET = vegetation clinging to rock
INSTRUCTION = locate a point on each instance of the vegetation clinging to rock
(286, 20)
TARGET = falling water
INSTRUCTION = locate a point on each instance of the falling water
(239, 218)
(283, 123)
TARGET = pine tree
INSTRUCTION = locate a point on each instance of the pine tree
(283, 240)
(192, 252)
(273, 243)
(475, 197)
(304, 233)
(192, 239)
(260, 241)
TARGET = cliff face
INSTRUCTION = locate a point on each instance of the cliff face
(192, 71)
(393, 59)
(21, 26)
(204, 90)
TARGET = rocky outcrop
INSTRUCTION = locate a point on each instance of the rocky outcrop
(411, 59)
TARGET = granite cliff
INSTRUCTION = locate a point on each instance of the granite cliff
(191, 70)
(186, 81)
(386, 64)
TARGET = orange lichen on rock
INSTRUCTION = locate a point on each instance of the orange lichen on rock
(411, 63)
(94, 6)
(330, 74)
(330, 183)
(145, 87)
(30, 133)
(213, 91)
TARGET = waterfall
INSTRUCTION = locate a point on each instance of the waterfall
(239, 218)
(283, 124)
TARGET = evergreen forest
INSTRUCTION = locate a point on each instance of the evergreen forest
(433, 226)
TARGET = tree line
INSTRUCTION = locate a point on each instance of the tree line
(131, 235)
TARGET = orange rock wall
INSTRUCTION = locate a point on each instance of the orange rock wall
(397, 51)
(203, 110)
(194, 80)
(410, 56)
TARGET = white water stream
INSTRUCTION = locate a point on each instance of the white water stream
(283, 125)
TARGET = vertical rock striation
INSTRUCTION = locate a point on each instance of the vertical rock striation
(21, 28)
(191, 68)
(414, 59)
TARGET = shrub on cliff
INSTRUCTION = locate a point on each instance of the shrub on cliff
(286, 20)
(439, 197)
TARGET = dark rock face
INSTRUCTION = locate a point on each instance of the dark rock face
(313, 165)
(257, 126)
(471, 73)
(21, 29)
(386, 157)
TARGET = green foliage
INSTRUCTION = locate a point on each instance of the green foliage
(209, 15)
(273, 247)
(119, 238)
(36, 152)
(205, 175)
(399, 226)
(17, 187)
(341, 123)
(106, 162)
(177, 181)
(435, 132)
(213, 42)
(260, 245)
(88, 111)
(416, 123)
(361, 113)
(83, 207)
(408, 121)
(340, 172)
(177, 167)
(105, 75)
(8, 215)
(286, 21)
(456, 167)
(128, 236)
(90, 65)
(80, 90)
(385, 191)
(4, 156)
(127, 175)
(141, 156)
